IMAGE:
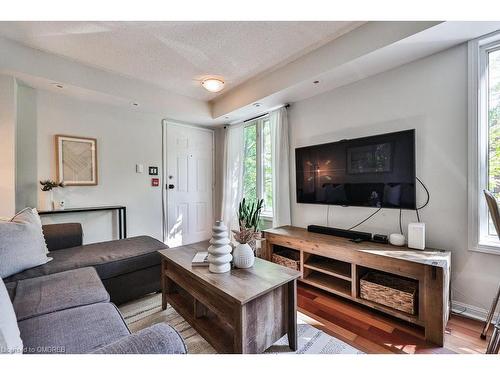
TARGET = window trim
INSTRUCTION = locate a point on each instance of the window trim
(259, 122)
(478, 144)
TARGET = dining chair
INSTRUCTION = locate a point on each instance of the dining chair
(494, 343)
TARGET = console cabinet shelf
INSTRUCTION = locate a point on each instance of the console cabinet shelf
(329, 283)
(335, 264)
(331, 267)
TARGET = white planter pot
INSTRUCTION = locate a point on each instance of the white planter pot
(243, 256)
(48, 200)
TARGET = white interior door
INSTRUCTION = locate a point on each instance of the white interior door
(188, 184)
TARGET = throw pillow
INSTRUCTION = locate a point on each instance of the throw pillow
(39, 222)
(22, 244)
(10, 337)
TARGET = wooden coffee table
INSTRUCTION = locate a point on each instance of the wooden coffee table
(241, 311)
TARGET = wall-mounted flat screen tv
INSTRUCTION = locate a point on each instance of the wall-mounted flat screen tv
(376, 171)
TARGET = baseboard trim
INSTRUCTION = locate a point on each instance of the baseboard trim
(473, 312)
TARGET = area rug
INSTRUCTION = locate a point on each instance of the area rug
(147, 311)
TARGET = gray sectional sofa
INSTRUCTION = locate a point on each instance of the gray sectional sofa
(128, 268)
(64, 306)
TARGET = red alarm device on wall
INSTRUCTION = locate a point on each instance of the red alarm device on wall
(155, 182)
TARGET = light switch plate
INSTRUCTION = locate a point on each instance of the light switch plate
(139, 168)
(153, 171)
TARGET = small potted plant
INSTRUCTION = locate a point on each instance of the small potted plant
(48, 186)
(249, 220)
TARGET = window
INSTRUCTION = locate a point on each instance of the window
(257, 166)
(493, 109)
(484, 138)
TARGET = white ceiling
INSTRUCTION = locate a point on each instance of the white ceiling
(176, 55)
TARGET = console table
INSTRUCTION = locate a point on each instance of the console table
(122, 215)
(336, 265)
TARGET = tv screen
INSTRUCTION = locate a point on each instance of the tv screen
(377, 171)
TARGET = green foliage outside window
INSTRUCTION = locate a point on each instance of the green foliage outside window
(494, 129)
(250, 164)
(494, 123)
(267, 193)
(252, 171)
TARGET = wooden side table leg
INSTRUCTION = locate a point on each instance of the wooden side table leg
(240, 337)
(268, 250)
(292, 314)
(434, 305)
(164, 284)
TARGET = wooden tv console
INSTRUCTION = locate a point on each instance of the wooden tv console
(336, 265)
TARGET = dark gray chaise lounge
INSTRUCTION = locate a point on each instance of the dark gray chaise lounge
(128, 268)
(64, 307)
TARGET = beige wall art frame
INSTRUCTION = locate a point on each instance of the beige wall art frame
(76, 160)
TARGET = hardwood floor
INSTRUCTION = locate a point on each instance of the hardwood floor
(374, 332)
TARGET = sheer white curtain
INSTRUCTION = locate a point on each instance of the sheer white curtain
(232, 192)
(278, 121)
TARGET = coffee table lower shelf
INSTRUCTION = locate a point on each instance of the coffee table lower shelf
(207, 325)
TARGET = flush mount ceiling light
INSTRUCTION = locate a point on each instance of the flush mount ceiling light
(213, 84)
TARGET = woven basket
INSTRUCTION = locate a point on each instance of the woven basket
(287, 258)
(399, 294)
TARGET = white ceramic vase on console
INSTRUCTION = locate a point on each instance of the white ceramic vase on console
(243, 256)
(219, 252)
(48, 200)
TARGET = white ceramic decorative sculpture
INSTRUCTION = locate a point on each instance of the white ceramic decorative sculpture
(219, 252)
(243, 256)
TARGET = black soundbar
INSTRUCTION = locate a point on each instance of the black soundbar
(352, 234)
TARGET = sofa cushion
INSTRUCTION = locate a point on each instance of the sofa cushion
(78, 330)
(109, 258)
(22, 244)
(58, 291)
(63, 235)
(10, 340)
(157, 339)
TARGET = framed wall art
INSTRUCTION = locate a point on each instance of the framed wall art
(76, 159)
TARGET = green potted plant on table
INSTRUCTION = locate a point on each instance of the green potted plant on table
(249, 221)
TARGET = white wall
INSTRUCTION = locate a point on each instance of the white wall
(8, 88)
(429, 95)
(26, 148)
(124, 137)
(219, 140)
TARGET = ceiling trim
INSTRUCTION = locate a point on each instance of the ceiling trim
(371, 49)
(360, 41)
(41, 69)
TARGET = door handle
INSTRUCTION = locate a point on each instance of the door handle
(171, 186)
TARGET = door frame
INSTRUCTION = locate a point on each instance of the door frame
(164, 165)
